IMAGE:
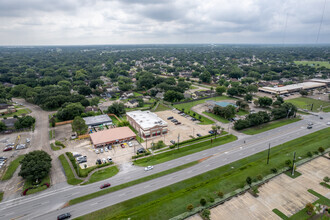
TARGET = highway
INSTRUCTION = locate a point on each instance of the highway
(47, 205)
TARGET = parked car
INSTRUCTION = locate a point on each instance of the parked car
(98, 161)
(321, 117)
(177, 123)
(10, 144)
(82, 161)
(105, 185)
(309, 126)
(148, 168)
(28, 140)
(3, 158)
(174, 120)
(211, 132)
(110, 147)
(106, 149)
(141, 150)
(97, 151)
(64, 216)
(101, 150)
(172, 142)
(9, 148)
(109, 159)
(20, 146)
(169, 118)
(104, 160)
(198, 135)
(76, 154)
(130, 144)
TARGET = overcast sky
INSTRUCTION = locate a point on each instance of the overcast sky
(72, 22)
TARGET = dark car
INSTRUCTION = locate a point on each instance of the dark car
(309, 126)
(169, 118)
(321, 117)
(122, 146)
(64, 216)
(174, 120)
(177, 123)
(211, 132)
(8, 148)
(98, 161)
(199, 135)
(141, 150)
(105, 185)
(172, 142)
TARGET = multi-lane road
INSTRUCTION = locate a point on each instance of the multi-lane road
(48, 205)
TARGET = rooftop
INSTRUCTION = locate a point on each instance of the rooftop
(110, 135)
(97, 120)
(305, 85)
(146, 119)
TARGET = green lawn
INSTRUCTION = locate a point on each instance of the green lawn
(242, 112)
(68, 172)
(295, 175)
(176, 153)
(317, 64)
(302, 103)
(268, 126)
(187, 108)
(18, 113)
(132, 183)
(136, 94)
(172, 200)
(161, 107)
(12, 168)
(1, 196)
(55, 147)
(39, 188)
(216, 117)
(280, 214)
(102, 174)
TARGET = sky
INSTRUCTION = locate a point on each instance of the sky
(98, 22)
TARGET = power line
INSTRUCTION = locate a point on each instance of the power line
(318, 33)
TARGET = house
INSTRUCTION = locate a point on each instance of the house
(187, 95)
(160, 95)
(92, 109)
(9, 122)
(131, 103)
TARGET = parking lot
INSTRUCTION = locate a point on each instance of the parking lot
(186, 129)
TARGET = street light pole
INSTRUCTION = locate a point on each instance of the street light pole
(293, 164)
(268, 154)
(178, 140)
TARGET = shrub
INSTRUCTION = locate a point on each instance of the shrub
(274, 170)
(59, 143)
(172, 146)
(211, 200)
(326, 179)
(309, 208)
(206, 214)
(259, 177)
(321, 150)
(202, 201)
(190, 207)
(309, 154)
(316, 152)
(288, 163)
(248, 180)
(220, 194)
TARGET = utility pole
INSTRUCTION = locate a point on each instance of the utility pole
(312, 106)
(293, 164)
(146, 143)
(268, 154)
(178, 140)
(193, 132)
(288, 113)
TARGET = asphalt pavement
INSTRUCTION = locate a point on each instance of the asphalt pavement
(48, 204)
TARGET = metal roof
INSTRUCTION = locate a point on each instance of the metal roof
(97, 120)
(146, 119)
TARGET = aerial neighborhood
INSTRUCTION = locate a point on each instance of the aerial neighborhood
(165, 132)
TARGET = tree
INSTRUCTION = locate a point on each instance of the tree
(252, 88)
(265, 101)
(232, 91)
(190, 207)
(220, 90)
(202, 201)
(309, 208)
(94, 101)
(303, 92)
(173, 96)
(24, 122)
(205, 77)
(117, 108)
(84, 90)
(79, 125)
(2, 126)
(35, 165)
(249, 181)
(70, 111)
(248, 97)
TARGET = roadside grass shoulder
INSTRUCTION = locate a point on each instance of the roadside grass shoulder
(102, 174)
(305, 103)
(132, 183)
(176, 153)
(216, 117)
(68, 172)
(1, 196)
(12, 168)
(53, 147)
(39, 187)
(268, 126)
(172, 200)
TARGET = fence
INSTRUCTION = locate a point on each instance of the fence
(63, 122)
(193, 100)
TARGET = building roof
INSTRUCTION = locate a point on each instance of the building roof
(321, 80)
(110, 135)
(97, 120)
(146, 119)
(293, 87)
(9, 122)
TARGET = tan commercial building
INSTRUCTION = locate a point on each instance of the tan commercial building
(112, 136)
(147, 123)
(292, 88)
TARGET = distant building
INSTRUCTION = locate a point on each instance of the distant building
(326, 81)
(9, 122)
(292, 88)
(147, 124)
(94, 121)
(131, 103)
(111, 136)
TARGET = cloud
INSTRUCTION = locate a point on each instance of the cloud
(162, 21)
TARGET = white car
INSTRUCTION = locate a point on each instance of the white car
(130, 144)
(328, 123)
(106, 149)
(28, 140)
(101, 150)
(109, 159)
(104, 160)
(148, 168)
(97, 151)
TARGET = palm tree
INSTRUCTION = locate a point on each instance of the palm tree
(215, 129)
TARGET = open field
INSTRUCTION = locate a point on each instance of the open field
(12, 168)
(302, 103)
(161, 107)
(176, 153)
(216, 117)
(18, 113)
(187, 107)
(268, 126)
(172, 200)
(317, 64)
(102, 174)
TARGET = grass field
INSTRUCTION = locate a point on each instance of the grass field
(268, 126)
(68, 172)
(18, 113)
(41, 187)
(187, 108)
(161, 107)
(12, 168)
(174, 154)
(102, 174)
(132, 183)
(302, 103)
(216, 117)
(317, 64)
(1, 195)
(53, 147)
(172, 200)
